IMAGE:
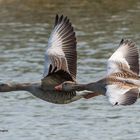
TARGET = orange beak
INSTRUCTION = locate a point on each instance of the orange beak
(58, 88)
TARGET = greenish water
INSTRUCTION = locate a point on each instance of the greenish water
(24, 30)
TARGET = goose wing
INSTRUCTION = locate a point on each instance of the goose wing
(61, 52)
(126, 56)
(121, 96)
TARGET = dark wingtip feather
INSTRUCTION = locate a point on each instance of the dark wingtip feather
(128, 42)
(56, 19)
(54, 70)
(50, 69)
(130, 97)
(65, 19)
(121, 42)
(61, 18)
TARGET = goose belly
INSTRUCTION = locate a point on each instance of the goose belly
(56, 97)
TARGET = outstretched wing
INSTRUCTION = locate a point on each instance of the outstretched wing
(121, 96)
(61, 51)
(126, 56)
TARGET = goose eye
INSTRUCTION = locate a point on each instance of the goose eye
(65, 84)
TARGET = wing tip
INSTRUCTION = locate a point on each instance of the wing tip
(128, 42)
(130, 97)
(121, 42)
(60, 19)
(132, 55)
(56, 19)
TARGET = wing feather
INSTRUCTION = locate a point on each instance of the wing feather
(130, 97)
(121, 96)
(125, 56)
(61, 51)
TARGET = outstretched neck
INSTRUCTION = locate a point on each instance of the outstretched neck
(80, 87)
(95, 87)
(7, 87)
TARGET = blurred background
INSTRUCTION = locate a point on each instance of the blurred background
(25, 26)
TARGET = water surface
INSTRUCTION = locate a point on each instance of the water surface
(24, 30)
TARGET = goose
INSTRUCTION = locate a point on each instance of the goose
(60, 66)
(121, 84)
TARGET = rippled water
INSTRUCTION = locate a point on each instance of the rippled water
(24, 31)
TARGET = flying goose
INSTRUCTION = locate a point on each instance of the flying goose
(60, 66)
(122, 82)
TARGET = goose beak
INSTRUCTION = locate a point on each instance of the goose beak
(58, 88)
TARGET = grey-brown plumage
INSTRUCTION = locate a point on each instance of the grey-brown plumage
(122, 82)
(60, 66)
(61, 52)
(130, 97)
(131, 55)
(62, 57)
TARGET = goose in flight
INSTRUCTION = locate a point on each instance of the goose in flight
(60, 66)
(122, 82)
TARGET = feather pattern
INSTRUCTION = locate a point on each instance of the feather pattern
(56, 77)
(121, 96)
(126, 56)
(122, 74)
(60, 61)
(61, 51)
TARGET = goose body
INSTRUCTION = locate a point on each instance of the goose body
(122, 72)
(60, 66)
(122, 82)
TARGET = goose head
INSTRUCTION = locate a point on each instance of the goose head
(4, 87)
(66, 86)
